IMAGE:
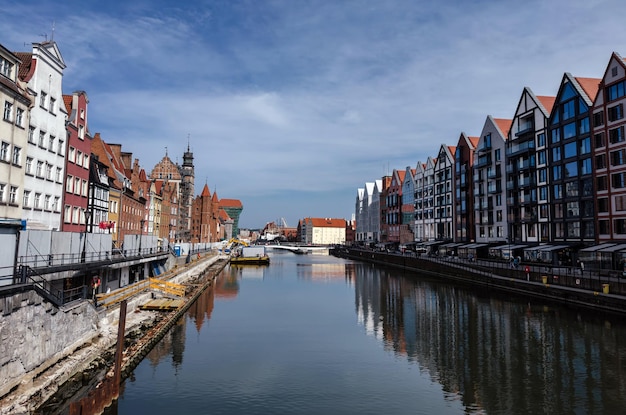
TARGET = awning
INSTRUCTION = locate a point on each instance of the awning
(428, 243)
(614, 248)
(550, 247)
(472, 246)
(450, 245)
(511, 247)
(594, 248)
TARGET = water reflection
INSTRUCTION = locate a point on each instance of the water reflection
(501, 356)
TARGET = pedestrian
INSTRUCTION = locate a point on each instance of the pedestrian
(95, 284)
(582, 267)
(527, 271)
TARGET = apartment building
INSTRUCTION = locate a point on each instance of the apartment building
(464, 222)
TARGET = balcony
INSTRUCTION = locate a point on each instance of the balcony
(510, 184)
(525, 127)
(527, 181)
(494, 174)
(494, 188)
(513, 150)
(525, 164)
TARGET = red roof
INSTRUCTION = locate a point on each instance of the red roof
(67, 100)
(205, 191)
(504, 125)
(27, 68)
(590, 86)
(474, 140)
(327, 223)
(547, 102)
(231, 203)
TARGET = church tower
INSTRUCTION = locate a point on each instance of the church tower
(187, 192)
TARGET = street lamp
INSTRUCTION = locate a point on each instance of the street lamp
(142, 221)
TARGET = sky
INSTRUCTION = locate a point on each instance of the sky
(291, 105)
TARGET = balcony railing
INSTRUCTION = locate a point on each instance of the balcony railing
(520, 148)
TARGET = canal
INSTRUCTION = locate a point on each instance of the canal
(314, 334)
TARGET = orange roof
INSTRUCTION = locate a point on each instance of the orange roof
(547, 102)
(67, 100)
(401, 174)
(474, 140)
(504, 125)
(589, 85)
(205, 191)
(452, 149)
(327, 223)
(27, 64)
(223, 215)
(230, 203)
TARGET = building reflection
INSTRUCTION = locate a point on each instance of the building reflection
(495, 356)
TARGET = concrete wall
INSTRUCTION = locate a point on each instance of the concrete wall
(34, 334)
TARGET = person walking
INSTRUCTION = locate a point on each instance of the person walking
(95, 284)
(582, 267)
(527, 271)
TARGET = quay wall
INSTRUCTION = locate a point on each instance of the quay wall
(501, 279)
(35, 334)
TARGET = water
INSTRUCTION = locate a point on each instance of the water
(313, 334)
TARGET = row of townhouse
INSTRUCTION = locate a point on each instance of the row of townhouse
(552, 178)
(56, 175)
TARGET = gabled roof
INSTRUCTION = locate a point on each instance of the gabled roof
(504, 125)
(27, 68)
(67, 100)
(547, 102)
(223, 215)
(474, 141)
(590, 86)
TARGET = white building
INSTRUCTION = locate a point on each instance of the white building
(13, 137)
(324, 231)
(42, 74)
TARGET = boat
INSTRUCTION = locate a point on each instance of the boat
(250, 255)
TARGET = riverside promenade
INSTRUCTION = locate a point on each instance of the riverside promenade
(91, 355)
(588, 289)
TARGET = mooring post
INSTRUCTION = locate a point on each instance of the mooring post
(120, 348)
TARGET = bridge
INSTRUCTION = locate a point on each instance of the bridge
(296, 249)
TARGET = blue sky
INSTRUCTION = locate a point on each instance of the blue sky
(291, 105)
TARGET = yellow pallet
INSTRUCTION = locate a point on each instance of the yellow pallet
(163, 304)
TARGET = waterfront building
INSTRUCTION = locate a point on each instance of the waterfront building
(77, 164)
(233, 208)
(41, 71)
(609, 149)
(488, 175)
(15, 101)
(364, 210)
(528, 131)
(187, 194)
(393, 202)
(99, 198)
(443, 180)
(383, 208)
(374, 212)
(424, 200)
(205, 217)
(463, 214)
(407, 227)
(323, 231)
(359, 214)
(570, 168)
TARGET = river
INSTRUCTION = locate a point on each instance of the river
(314, 334)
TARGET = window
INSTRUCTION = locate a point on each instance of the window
(603, 227)
(26, 198)
(620, 203)
(583, 126)
(46, 202)
(58, 175)
(61, 148)
(601, 183)
(19, 117)
(51, 143)
(558, 230)
(573, 230)
(86, 160)
(29, 165)
(569, 109)
(558, 191)
(543, 211)
(8, 111)
(85, 184)
(13, 195)
(618, 180)
(48, 171)
(39, 172)
(616, 91)
(79, 157)
(598, 140)
(570, 150)
(42, 101)
(620, 226)
(558, 210)
(52, 105)
(55, 204)
(5, 67)
(585, 166)
(81, 132)
(67, 214)
(82, 113)
(31, 134)
(42, 139)
(17, 156)
(598, 119)
(76, 215)
(584, 146)
(569, 130)
(4, 151)
(2, 190)
(543, 193)
(557, 173)
(618, 157)
(69, 184)
(571, 189)
(616, 135)
(556, 153)
(37, 202)
(543, 175)
(77, 185)
(541, 156)
(71, 155)
(498, 154)
(555, 135)
(541, 140)
(616, 113)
